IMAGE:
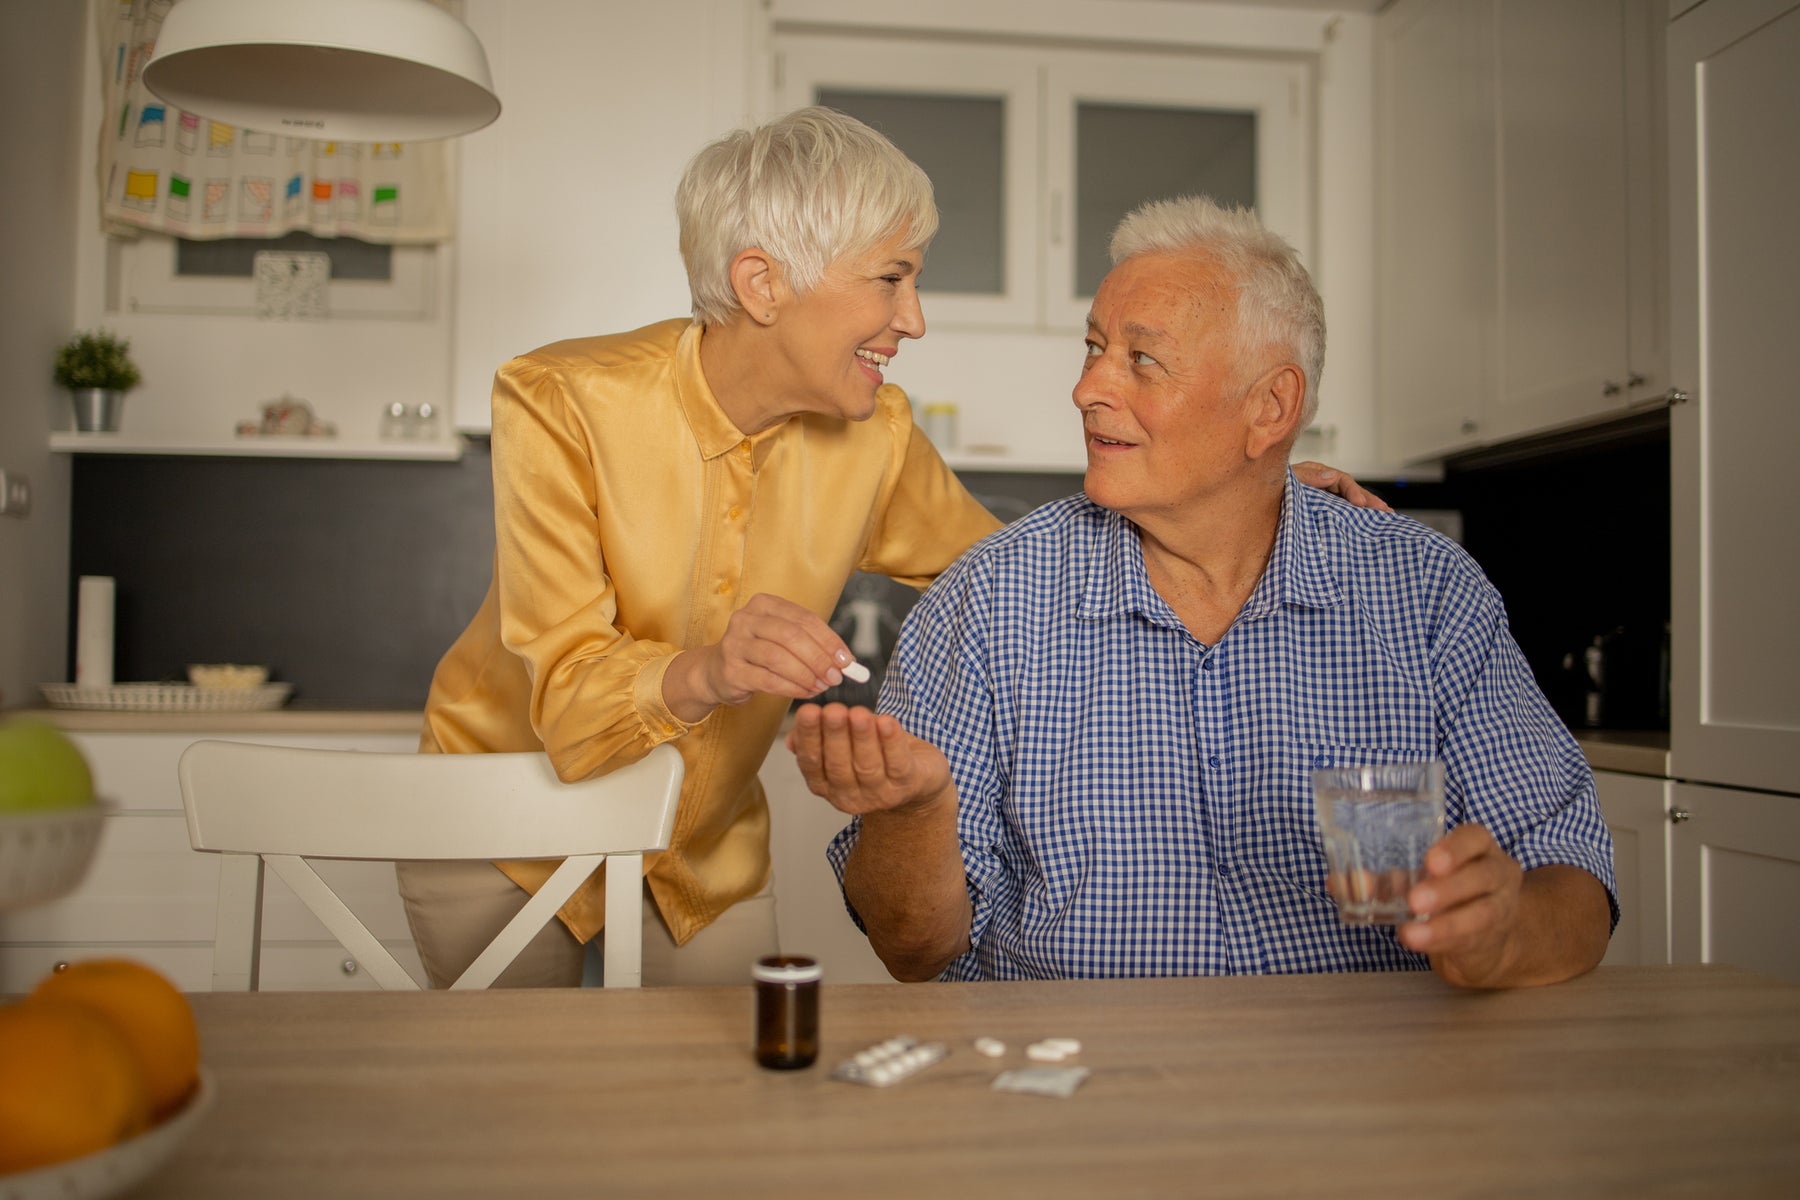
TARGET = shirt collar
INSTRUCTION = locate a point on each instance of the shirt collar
(1296, 574)
(713, 430)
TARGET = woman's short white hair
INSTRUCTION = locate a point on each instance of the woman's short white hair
(807, 187)
(1277, 304)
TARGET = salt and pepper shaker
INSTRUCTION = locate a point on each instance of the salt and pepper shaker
(787, 1011)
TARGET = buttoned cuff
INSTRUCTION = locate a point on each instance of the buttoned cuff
(660, 722)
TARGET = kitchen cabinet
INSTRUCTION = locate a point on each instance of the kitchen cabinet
(1636, 811)
(1735, 251)
(1036, 152)
(1735, 879)
(1734, 164)
(566, 225)
(149, 896)
(1520, 285)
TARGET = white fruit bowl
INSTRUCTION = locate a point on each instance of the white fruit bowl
(116, 1170)
(44, 855)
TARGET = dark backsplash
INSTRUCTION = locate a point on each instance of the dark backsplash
(351, 578)
(348, 578)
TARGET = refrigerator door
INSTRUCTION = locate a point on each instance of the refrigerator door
(1734, 167)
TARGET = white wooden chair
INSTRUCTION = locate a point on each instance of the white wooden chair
(282, 805)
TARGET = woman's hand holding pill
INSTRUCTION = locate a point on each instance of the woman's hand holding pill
(771, 645)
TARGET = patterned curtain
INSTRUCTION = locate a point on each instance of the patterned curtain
(173, 172)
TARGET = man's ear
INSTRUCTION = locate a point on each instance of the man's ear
(1275, 403)
(756, 282)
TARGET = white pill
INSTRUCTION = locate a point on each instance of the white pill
(856, 673)
(1066, 1045)
(990, 1047)
(865, 1058)
(1045, 1053)
(885, 1073)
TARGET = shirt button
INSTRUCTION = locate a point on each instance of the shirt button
(723, 587)
(1207, 665)
(1212, 761)
(733, 513)
(1225, 870)
(1323, 760)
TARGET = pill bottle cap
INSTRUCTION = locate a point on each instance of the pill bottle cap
(786, 968)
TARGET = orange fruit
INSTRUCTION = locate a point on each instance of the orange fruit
(69, 1085)
(150, 1011)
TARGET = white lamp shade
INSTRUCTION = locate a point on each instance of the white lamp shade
(346, 70)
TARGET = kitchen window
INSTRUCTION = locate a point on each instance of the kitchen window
(158, 273)
(1036, 152)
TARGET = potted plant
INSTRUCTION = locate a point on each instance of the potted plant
(97, 369)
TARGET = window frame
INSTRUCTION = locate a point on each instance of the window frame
(141, 278)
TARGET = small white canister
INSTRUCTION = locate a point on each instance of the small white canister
(940, 425)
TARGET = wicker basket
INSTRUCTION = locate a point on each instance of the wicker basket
(167, 697)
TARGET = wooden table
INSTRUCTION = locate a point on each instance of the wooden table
(1628, 1082)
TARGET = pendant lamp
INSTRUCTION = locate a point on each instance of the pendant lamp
(345, 70)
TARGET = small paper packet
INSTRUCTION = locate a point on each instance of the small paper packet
(1042, 1081)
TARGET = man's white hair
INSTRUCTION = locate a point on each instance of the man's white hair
(1277, 304)
(807, 187)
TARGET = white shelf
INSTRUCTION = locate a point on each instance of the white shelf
(961, 460)
(433, 450)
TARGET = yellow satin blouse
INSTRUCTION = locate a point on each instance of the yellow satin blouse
(631, 519)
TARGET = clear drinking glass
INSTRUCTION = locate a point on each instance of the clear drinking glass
(1377, 823)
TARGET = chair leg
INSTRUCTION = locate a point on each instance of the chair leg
(624, 954)
(237, 937)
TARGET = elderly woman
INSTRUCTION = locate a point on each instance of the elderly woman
(677, 510)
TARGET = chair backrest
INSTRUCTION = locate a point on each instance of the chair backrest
(281, 805)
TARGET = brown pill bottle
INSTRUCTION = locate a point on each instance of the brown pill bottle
(787, 1011)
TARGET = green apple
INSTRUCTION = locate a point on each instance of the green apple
(40, 768)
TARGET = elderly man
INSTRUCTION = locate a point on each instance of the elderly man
(1096, 735)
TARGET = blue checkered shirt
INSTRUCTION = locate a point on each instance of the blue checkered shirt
(1132, 802)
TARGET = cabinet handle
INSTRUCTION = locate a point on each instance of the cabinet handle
(1675, 396)
(349, 966)
(1609, 388)
(1678, 814)
(58, 967)
(1469, 427)
(1635, 380)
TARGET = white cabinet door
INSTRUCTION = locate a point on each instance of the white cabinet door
(1735, 307)
(1521, 218)
(1436, 252)
(1120, 129)
(1636, 811)
(1735, 879)
(1563, 230)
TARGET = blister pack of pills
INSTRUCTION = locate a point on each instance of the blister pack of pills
(889, 1062)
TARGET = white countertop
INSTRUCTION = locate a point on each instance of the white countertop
(1634, 752)
(1631, 751)
(281, 720)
